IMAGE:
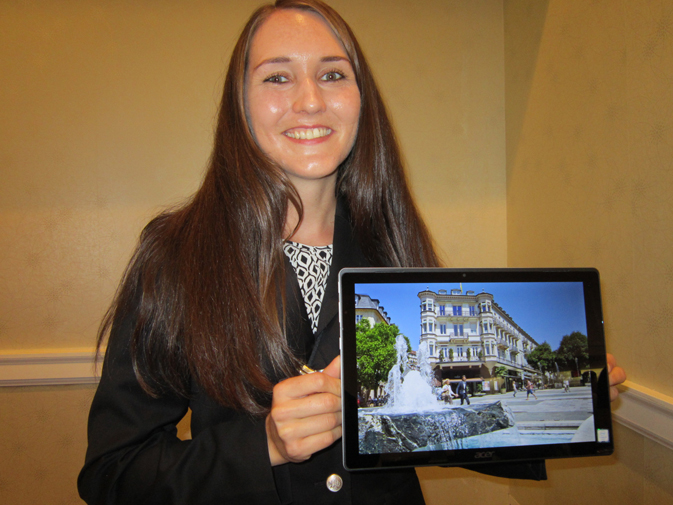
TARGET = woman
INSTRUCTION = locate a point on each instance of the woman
(228, 296)
(447, 392)
(210, 314)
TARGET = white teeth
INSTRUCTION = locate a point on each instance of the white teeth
(308, 134)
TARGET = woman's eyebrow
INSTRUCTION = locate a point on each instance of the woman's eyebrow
(277, 59)
(286, 59)
(327, 59)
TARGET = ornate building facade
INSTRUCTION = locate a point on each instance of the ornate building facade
(470, 334)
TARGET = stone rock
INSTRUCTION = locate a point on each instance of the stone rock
(405, 432)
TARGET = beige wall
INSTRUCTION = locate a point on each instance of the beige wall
(589, 148)
(536, 133)
(106, 116)
(43, 439)
(589, 183)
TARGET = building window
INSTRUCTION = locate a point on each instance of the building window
(427, 304)
(458, 329)
(457, 310)
(428, 326)
(358, 318)
(442, 310)
(442, 329)
(472, 311)
(459, 352)
(432, 349)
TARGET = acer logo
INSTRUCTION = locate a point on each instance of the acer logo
(484, 454)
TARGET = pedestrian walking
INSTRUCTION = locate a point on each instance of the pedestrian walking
(462, 391)
(530, 389)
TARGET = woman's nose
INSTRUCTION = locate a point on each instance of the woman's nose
(309, 98)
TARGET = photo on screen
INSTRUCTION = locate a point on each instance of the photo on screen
(450, 366)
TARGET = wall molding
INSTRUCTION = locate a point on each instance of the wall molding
(644, 410)
(48, 368)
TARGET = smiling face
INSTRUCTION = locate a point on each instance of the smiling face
(302, 101)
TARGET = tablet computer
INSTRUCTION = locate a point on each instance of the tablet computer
(455, 367)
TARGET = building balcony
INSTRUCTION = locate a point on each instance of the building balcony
(462, 360)
(510, 362)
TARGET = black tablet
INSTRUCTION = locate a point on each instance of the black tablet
(454, 367)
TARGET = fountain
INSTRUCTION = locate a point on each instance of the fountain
(410, 390)
(414, 420)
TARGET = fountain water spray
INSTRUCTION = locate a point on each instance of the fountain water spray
(410, 390)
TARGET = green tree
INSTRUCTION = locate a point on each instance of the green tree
(542, 356)
(500, 371)
(469, 354)
(450, 353)
(575, 345)
(376, 354)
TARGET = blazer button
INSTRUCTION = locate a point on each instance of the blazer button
(334, 482)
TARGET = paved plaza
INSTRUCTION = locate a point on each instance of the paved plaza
(551, 404)
(554, 412)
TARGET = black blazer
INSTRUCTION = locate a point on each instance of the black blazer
(134, 456)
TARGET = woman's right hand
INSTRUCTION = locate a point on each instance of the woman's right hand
(305, 415)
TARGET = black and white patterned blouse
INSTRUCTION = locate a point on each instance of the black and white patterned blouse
(311, 264)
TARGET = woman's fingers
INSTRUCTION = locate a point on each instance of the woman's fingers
(302, 449)
(305, 407)
(296, 437)
(304, 385)
(616, 375)
(291, 448)
(334, 368)
(305, 415)
(303, 429)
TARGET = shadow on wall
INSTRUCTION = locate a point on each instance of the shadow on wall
(524, 26)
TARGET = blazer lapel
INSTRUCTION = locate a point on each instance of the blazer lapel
(299, 333)
(346, 253)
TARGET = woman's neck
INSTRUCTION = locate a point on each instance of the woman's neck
(317, 225)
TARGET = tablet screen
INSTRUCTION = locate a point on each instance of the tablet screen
(462, 366)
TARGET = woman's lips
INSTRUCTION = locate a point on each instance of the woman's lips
(308, 133)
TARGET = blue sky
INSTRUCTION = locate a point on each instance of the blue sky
(545, 310)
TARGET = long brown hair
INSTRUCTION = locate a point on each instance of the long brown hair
(202, 287)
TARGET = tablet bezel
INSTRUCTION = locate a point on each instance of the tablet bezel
(352, 458)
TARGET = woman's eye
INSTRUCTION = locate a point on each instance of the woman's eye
(332, 76)
(276, 79)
